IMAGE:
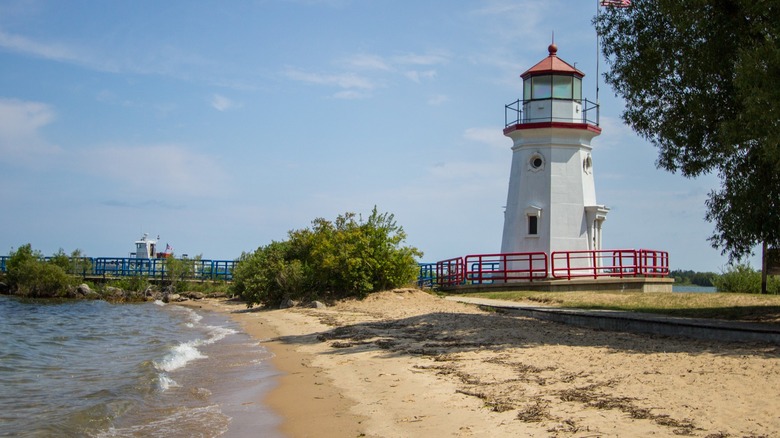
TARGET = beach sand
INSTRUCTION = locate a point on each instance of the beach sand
(406, 363)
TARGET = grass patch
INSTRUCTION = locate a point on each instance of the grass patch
(731, 306)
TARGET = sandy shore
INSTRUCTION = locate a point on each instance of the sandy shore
(409, 364)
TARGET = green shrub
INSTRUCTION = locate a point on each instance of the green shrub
(80, 264)
(61, 259)
(210, 288)
(705, 279)
(30, 276)
(75, 263)
(741, 278)
(266, 276)
(177, 270)
(346, 258)
(135, 283)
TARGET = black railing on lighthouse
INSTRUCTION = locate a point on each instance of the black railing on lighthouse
(513, 113)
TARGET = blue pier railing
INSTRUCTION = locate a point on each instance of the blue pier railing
(197, 269)
(108, 267)
(427, 276)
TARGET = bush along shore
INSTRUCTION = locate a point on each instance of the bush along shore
(30, 275)
(111, 293)
(349, 257)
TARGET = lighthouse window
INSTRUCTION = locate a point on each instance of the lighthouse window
(542, 87)
(527, 89)
(562, 87)
(554, 86)
(587, 164)
(536, 162)
(577, 88)
(533, 225)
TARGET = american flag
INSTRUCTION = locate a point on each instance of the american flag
(616, 3)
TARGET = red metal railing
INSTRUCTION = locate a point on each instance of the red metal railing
(653, 263)
(530, 266)
(618, 263)
(450, 272)
(489, 268)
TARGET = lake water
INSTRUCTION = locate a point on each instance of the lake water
(91, 368)
(702, 289)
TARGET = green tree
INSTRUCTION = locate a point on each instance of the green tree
(741, 278)
(699, 78)
(330, 260)
(690, 277)
(80, 264)
(267, 276)
(178, 270)
(29, 275)
(61, 259)
(17, 260)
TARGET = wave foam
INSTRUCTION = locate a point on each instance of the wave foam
(179, 357)
(164, 382)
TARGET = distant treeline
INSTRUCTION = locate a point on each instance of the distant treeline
(739, 278)
(706, 279)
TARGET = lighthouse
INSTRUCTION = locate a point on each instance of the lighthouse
(551, 202)
(552, 223)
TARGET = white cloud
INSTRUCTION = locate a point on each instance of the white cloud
(438, 99)
(374, 71)
(354, 86)
(158, 169)
(416, 59)
(343, 80)
(20, 137)
(351, 95)
(468, 173)
(506, 14)
(54, 51)
(163, 59)
(368, 62)
(222, 103)
(615, 133)
(418, 76)
(492, 137)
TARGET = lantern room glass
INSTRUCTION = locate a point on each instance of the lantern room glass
(541, 87)
(562, 87)
(552, 86)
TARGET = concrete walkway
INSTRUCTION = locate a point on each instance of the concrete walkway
(710, 329)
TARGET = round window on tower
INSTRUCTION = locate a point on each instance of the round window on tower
(536, 162)
(587, 164)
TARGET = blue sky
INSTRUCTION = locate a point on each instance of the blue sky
(222, 125)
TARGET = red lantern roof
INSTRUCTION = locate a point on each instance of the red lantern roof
(552, 64)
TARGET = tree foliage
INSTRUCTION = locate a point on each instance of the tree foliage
(704, 279)
(30, 275)
(329, 260)
(741, 278)
(178, 270)
(699, 78)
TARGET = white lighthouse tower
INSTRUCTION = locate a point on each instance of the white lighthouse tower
(551, 204)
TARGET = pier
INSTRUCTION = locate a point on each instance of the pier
(103, 268)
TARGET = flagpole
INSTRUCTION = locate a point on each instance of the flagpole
(598, 58)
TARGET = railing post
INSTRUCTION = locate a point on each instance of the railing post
(505, 268)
